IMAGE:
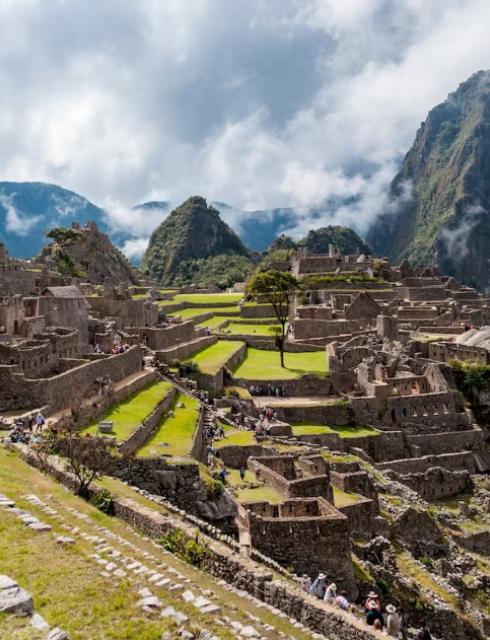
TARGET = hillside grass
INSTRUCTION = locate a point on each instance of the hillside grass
(129, 414)
(212, 358)
(259, 494)
(343, 498)
(251, 329)
(235, 437)
(191, 312)
(175, 434)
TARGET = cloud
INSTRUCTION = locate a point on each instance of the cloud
(16, 222)
(456, 239)
(135, 248)
(284, 103)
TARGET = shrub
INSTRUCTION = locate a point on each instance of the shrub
(188, 368)
(382, 586)
(102, 500)
(426, 561)
(190, 550)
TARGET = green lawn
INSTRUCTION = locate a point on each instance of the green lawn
(199, 311)
(139, 296)
(212, 358)
(344, 431)
(250, 329)
(130, 413)
(265, 365)
(213, 322)
(259, 494)
(234, 480)
(235, 437)
(175, 433)
(209, 298)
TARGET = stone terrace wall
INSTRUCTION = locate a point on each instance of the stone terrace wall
(148, 426)
(448, 461)
(185, 350)
(198, 451)
(447, 442)
(326, 414)
(214, 382)
(361, 516)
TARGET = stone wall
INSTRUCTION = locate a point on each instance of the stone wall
(185, 350)
(149, 425)
(60, 391)
(213, 383)
(436, 483)
(307, 385)
(362, 516)
(320, 414)
(448, 461)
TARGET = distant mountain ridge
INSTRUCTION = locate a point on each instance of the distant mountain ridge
(440, 199)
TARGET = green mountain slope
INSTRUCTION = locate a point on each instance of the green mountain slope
(439, 201)
(194, 246)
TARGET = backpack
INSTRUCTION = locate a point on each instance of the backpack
(426, 634)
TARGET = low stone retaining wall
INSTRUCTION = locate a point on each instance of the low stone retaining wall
(198, 451)
(148, 426)
(321, 414)
(184, 350)
(361, 516)
(214, 383)
(307, 385)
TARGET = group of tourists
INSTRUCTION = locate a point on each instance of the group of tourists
(391, 621)
(119, 348)
(267, 390)
(26, 428)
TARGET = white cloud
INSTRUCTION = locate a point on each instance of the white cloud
(258, 104)
(15, 222)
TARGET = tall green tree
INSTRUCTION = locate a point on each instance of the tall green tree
(278, 288)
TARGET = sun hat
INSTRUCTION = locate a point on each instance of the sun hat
(372, 594)
(321, 576)
(390, 608)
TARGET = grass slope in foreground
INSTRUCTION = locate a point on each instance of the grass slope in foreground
(265, 365)
(130, 413)
(175, 434)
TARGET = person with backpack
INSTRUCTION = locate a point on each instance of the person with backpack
(424, 633)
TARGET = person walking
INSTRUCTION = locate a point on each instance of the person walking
(319, 587)
(40, 422)
(393, 621)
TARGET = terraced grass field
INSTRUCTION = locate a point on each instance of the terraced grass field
(192, 312)
(235, 437)
(265, 365)
(245, 329)
(175, 434)
(208, 298)
(259, 494)
(344, 431)
(130, 413)
(212, 358)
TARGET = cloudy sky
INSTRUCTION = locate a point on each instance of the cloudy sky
(257, 103)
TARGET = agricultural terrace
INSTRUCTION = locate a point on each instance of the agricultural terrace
(209, 298)
(247, 329)
(175, 433)
(130, 413)
(192, 312)
(235, 437)
(211, 359)
(344, 431)
(260, 364)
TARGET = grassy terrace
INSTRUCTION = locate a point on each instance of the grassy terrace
(214, 322)
(344, 431)
(265, 365)
(208, 298)
(129, 414)
(343, 498)
(212, 358)
(238, 328)
(259, 494)
(235, 437)
(66, 582)
(175, 433)
(191, 312)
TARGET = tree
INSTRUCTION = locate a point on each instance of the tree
(278, 288)
(86, 457)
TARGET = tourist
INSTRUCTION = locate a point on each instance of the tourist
(393, 621)
(222, 475)
(372, 597)
(30, 421)
(330, 593)
(318, 587)
(424, 633)
(40, 421)
(306, 583)
(341, 601)
(242, 473)
(373, 613)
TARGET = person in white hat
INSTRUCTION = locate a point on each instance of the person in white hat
(319, 587)
(393, 621)
(330, 593)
